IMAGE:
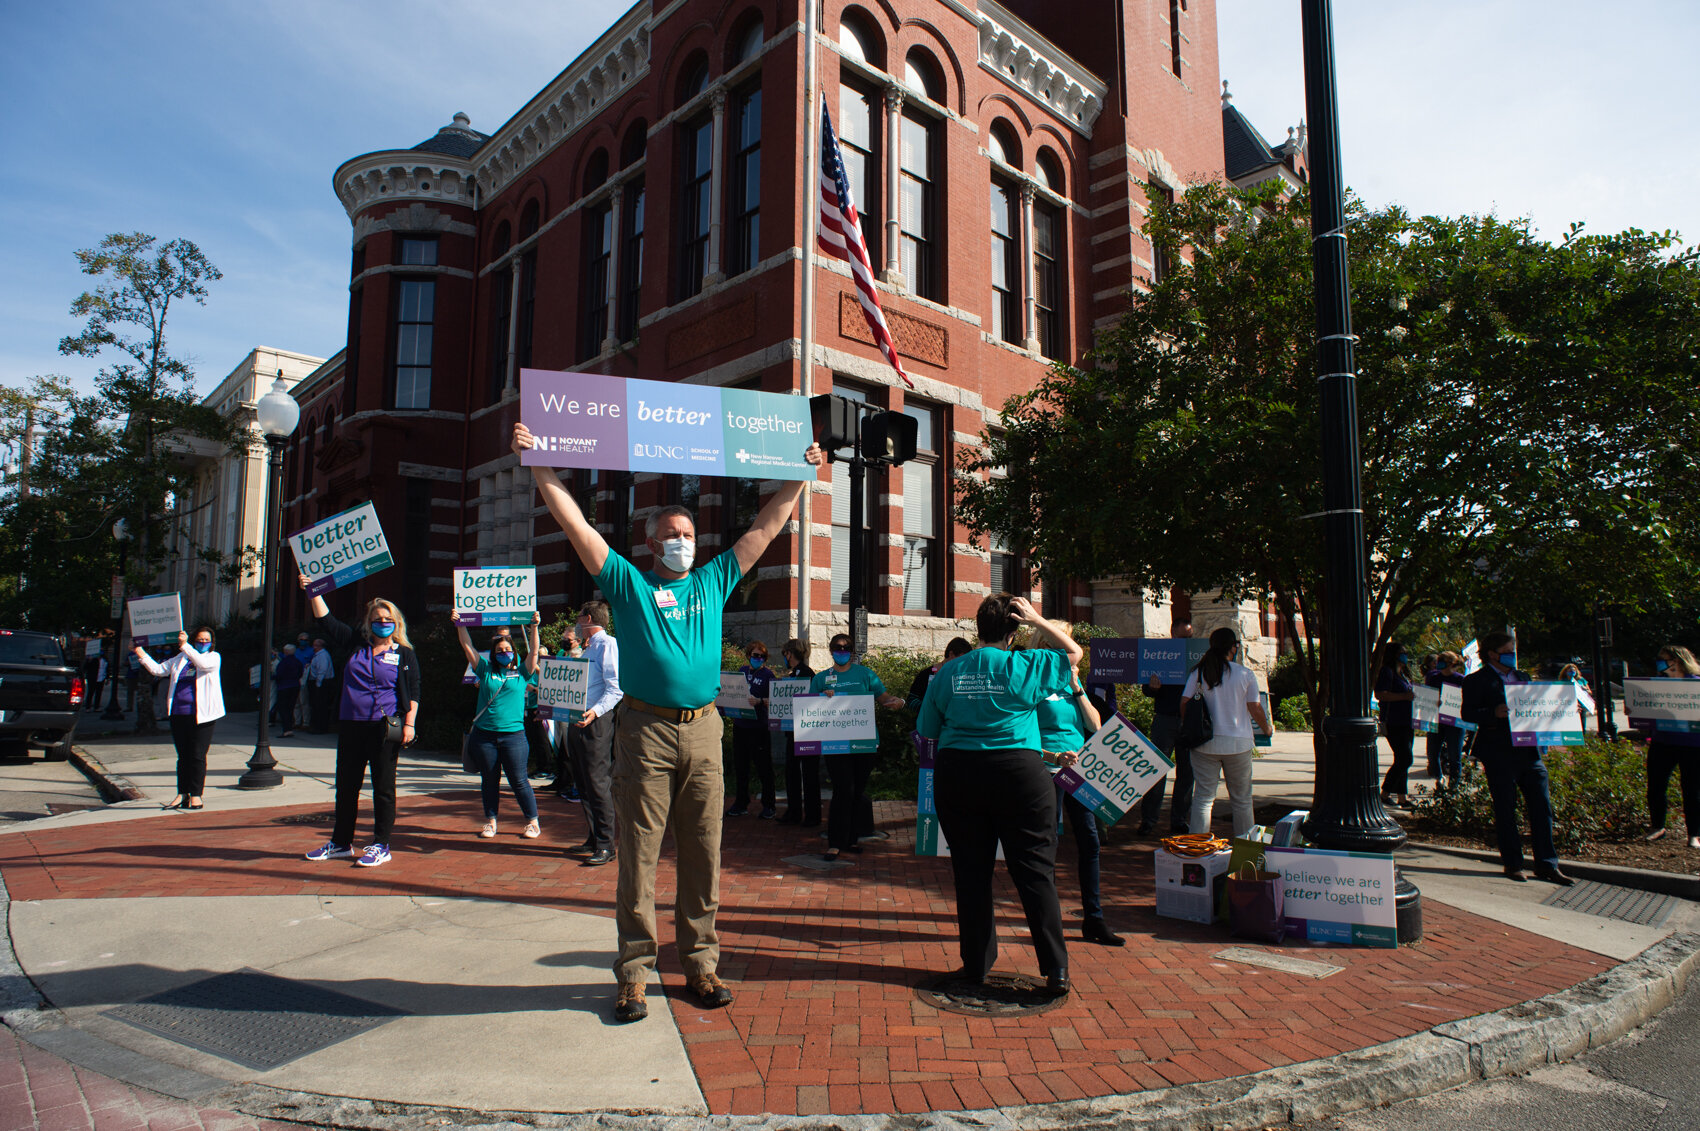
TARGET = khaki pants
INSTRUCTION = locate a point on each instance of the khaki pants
(663, 770)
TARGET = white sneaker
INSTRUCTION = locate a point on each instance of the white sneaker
(374, 855)
(331, 850)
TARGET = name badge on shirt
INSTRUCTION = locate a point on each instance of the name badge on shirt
(391, 658)
(664, 599)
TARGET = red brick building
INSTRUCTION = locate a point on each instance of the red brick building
(644, 214)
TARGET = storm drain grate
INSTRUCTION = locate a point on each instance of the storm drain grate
(1000, 995)
(1608, 901)
(257, 1020)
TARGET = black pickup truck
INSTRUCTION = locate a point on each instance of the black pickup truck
(41, 694)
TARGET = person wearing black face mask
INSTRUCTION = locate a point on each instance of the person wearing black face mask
(498, 739)
(1510, 769)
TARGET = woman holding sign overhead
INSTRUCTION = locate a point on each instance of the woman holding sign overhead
(380, 703)
(990, 784)
(498, 737)
(196, 700)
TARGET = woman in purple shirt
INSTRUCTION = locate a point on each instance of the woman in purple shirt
(195, 702)
(380, 682)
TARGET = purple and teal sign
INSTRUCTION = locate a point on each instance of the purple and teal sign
(619, 424)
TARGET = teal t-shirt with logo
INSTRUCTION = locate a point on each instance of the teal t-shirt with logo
(670, 630)
(1060, 725)
(989, 699)
(501, 697)
(856, 680)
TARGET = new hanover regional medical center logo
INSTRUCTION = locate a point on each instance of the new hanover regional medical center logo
(614, 424)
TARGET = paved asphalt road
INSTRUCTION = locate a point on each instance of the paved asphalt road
(32, 788)
(1645, 1082)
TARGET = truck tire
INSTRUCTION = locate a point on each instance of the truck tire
(59, 751)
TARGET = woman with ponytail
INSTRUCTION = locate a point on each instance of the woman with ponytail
(1230, 692)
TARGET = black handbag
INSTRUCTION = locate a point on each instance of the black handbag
(1196, 728)
(392, 730)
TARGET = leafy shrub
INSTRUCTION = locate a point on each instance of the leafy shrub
(1293, 713)
(1287, 680)
(446, 704)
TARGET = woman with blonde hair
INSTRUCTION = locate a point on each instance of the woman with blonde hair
(1674, 750)
(380, 702)
(195, 701)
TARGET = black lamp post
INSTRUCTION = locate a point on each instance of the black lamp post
(1347, 812)
(121, 533)
(277, 415)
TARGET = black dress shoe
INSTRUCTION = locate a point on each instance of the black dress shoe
(790, 819)
(1094, 930)
(1056, 983)
(1552, 875)
(599, 857)
(1146, 828)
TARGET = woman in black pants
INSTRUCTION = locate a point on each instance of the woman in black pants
(1394, 692)
(380, 682)
(990, 785)
(194, 701)
(1674, 750)
(802, 775)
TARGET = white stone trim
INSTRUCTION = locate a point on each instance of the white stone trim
(1026, 60)
(428, 471)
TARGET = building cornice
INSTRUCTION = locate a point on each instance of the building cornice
(1026, 60)
(403, 175)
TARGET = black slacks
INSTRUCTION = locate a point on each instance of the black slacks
(802, 785)
(191, 740)
(752, 748)
(590, 753)
(358, 745)
(1662, 759)
(851, 814)
(990, 797)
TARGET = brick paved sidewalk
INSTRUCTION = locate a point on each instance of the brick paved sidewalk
(825, 964)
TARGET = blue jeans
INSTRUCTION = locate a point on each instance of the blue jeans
(510, 752)
(1085, 825)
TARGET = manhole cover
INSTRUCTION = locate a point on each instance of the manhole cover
(305, 819)
(816, 863)
(256, 1020)
(1000, 995)
(1608, 901)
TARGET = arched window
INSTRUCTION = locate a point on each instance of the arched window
(746, 43)
(635, 143)
(921, 74)
(1002, 145)
(1049, 172)
(693, 79)
(528, 219)
(595, 172)
(859, 39)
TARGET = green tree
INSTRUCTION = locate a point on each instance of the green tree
(1522, 406)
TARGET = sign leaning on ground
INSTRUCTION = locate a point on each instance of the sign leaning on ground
(836, 724)
(1663, 704)
(1117, 766)
(620, 424)
(563, 688)
(341, 549)
(1543, 714)
(156, 620)
(1336, 897)
(780, 693)
(496, 594)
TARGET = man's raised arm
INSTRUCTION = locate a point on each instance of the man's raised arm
(588, 543)
(771, 519)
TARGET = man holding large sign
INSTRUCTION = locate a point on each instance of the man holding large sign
(341, 549)
(1543, 714)
(667, 762)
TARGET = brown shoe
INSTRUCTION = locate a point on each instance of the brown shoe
(630, 1005)
(711, 992)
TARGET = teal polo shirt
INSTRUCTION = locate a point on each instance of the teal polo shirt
(855, 680)
(501, 696)
(1060, 726)
(988, 699)
(670, 630)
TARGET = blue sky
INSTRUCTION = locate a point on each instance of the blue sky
(223, 122)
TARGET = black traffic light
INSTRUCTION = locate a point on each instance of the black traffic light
(889, 437)
(834, 420)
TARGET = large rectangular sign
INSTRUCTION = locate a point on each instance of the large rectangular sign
(622, 424)
(780, 693)
(1543, 714)
(156, 620)
(496, 595)
(341, 549)
(837, 724)
(1663, 704)
(92, 648)
(1336, 897)
(563, 688)
(734, 698)
(1425, 709)
(1451, 703)
(1117, 766)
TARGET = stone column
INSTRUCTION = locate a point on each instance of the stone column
(616, 204)
(716, 178)
(1029, 277)
(893, 273)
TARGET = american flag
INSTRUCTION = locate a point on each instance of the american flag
(841, 235)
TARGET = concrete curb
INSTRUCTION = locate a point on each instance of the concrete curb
(1683, 885)
(111, 787)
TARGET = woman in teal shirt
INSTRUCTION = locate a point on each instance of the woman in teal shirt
(1066, 721)
(990, 786)
(498, 729)
(849, 773)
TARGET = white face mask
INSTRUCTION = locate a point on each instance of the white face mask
(677, 554)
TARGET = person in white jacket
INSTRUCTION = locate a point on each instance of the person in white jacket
(194, 701)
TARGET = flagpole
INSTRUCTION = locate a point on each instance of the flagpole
(811, 213)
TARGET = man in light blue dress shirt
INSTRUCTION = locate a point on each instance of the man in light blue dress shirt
(590, 741)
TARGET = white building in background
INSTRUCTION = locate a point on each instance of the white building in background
(220, 520)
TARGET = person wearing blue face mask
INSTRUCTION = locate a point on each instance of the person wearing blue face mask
(380, 705)
(498, 741)
(1510, 769)
(848, 773)
(1674, 751)
(1394, 692)
(196, 702)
